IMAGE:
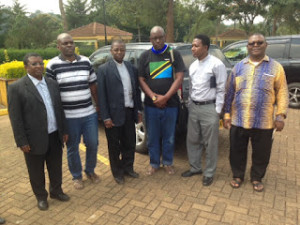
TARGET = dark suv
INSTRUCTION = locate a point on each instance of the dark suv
(133, 52)
(284, 49)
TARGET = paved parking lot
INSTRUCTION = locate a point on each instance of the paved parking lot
(160, 199)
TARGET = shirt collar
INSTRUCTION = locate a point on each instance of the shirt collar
(61, 57)
(36, 81)
(247, 60)
(119, 64)
(203, 60)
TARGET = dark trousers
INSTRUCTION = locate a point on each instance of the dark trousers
(121, 145)
(35, 165)
(261, 141)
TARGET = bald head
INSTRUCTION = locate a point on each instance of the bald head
(157, 37)
(60, 37)
(156, 29)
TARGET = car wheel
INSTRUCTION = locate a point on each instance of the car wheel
(141, 138)
(294, 95)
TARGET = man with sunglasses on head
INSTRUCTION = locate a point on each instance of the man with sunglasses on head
(256, 85)
(38, 124)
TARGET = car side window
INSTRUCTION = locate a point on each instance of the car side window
(130, 57)
(100, 58)
(295, 48)
(276, 50)
(236, 53)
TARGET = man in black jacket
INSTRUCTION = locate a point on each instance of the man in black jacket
(38, 124)
(120, 107)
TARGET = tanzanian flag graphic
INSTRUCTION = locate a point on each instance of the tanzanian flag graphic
(160, 70)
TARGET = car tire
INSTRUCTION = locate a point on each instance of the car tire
(294, 95)
(141, 138)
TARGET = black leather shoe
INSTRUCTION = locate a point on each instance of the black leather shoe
(188, 173)
(132, 174)
(42, 205)
(207, 181)
(2, 221)
(120, 180)
(61, 197)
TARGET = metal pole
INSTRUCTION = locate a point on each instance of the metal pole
(104, 15)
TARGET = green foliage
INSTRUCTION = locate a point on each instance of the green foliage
(76, 12)
(47, 53)
(17, 54)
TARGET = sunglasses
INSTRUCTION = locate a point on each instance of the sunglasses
(258, 43)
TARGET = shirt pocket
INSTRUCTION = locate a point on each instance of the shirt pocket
(240, 83)
(267, 82)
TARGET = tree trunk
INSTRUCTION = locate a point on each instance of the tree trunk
(274, 26)
(217, 29)
(170, 22)
(63, 15)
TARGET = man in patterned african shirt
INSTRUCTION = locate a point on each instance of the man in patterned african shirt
(256, 85)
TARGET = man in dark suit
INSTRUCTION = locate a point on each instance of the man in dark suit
(38, 124)
(120, 107)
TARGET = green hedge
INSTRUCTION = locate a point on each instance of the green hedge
(47, 53)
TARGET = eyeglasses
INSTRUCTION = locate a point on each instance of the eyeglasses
(37, 63)
(258, 43)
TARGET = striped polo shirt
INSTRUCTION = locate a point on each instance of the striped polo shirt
(73, 79)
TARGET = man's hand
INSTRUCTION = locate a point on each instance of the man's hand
(227, 123)
(65, 138)
(25, 148)
(140, 117)
(279, 125)
(161, 101)
(108, 123)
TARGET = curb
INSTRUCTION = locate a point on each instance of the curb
(3, 112)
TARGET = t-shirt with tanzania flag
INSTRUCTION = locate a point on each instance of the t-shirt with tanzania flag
(157, 70)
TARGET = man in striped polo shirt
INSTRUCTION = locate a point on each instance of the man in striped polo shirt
(77, 83)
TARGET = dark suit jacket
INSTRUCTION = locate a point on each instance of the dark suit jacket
(111, 93)
(28, 114)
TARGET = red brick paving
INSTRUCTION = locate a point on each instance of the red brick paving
(159, 199)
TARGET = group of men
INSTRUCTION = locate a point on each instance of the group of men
(65, 105)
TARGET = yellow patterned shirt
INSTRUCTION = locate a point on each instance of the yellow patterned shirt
(252, 91)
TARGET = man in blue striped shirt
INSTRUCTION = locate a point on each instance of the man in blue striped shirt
(77, 82)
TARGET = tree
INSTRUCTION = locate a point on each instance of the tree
(77, 13)
(170, 22)
(44, 29)
(19, 27)
(138, 16)
(216, 10)
(5, 15)
(245, 12)
(63, 15)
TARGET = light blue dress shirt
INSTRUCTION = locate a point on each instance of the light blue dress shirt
(42, 88)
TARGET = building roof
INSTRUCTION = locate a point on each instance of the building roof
(95, 30)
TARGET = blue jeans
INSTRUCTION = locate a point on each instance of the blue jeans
(88, 128)
(161, 124)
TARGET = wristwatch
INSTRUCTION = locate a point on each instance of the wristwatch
(154, 98)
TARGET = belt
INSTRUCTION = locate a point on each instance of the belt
(205, 102)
